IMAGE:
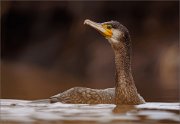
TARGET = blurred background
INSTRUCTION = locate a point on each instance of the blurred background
(46, 49)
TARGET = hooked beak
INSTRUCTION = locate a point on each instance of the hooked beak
(99, 27)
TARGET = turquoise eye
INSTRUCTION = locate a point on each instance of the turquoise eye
(109, 26)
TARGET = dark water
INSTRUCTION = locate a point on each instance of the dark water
(20, 111)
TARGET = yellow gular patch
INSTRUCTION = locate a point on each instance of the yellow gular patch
(108, 31)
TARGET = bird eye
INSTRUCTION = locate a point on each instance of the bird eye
(109, 26)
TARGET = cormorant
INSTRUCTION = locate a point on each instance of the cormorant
(125, 91)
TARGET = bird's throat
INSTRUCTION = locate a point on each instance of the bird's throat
(126, 92)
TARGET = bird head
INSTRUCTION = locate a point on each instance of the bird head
(113, 31)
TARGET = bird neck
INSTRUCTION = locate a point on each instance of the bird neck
(123, 65)
(125, 90)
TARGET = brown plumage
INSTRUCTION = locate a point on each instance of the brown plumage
(125, 91)
(83, 95)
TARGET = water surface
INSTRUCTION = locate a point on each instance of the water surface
(21, 111)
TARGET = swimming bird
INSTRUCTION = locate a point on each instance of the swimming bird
(125, 92)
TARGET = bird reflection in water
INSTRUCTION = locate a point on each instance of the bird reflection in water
(122, 109)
